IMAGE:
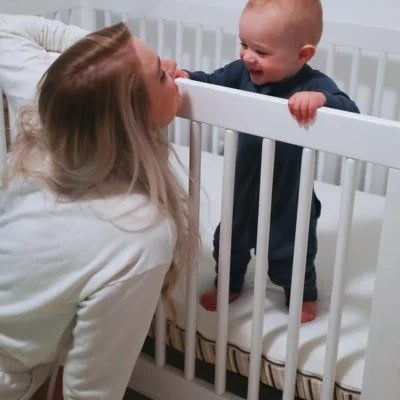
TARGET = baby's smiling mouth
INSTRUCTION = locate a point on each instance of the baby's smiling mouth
(254, 71)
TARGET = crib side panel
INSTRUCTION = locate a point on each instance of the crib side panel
(346, 141)
(382, 365)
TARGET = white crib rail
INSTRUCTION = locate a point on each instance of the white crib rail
(336, 132)
(352, 135)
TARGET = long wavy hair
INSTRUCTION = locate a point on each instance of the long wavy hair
(94, 127)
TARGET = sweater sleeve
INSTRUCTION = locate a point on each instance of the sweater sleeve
(51, 35)
(28, 46)
(111, 326)
(228, 76)
(335, 98)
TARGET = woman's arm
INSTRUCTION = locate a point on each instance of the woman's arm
(111, 326)
(51, 35)
(28, 45)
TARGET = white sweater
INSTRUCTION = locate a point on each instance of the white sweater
(28, 45)
(88, 272)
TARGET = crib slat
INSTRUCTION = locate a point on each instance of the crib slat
(160, 325)
(160, 334)
(215, 140)
(376, 112)
(107, 18)
(264, 215)
(224, 259)
(191, 282)
(321, 166)
(329, 70)
(380, 79)
(142, 28)
(354, 73)
(237, 49)
(330, 60)
(198, 66)
(179, 59)
(198, 47)
(69, 16)
(218, 57)
(299, 261)
(354, 81)
(336, 304)
(124, 17)
(57, 16)
(160, 37)
(3, 143)
(178, 42)
(85, 17)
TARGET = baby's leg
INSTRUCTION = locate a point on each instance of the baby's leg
(240, 257)
(244, 219)
(280, 273)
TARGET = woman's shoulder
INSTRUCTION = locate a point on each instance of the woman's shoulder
(90, 241)
(94, 220)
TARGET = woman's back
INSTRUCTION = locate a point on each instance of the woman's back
(94, 224)
(56, 254)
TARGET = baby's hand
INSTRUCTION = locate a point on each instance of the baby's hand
(303, 105)
(169, 66)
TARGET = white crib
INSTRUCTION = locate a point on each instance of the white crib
(359, 230)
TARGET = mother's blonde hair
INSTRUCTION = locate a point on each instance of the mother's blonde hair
(94, 128)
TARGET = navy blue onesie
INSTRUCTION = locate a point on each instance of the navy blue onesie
(285, 184)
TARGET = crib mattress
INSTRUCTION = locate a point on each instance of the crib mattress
(360, 273)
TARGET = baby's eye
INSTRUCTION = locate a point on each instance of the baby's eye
(262, 53)
(244, 45)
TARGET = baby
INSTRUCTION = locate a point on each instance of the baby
(278, 38)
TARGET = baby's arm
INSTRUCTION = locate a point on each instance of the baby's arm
(304, 105)
(321, 91)
(228, 76)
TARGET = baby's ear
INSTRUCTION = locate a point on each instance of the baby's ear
(306, 53)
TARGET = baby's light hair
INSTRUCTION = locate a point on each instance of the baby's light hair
(304, 16)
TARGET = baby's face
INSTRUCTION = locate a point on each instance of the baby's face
(269, 52)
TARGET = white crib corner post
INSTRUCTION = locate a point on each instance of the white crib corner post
(382, 365)
(84, 16)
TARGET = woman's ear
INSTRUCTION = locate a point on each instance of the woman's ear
(306, 53)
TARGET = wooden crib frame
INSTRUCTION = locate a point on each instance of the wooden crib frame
(354, 137)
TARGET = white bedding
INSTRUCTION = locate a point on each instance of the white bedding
(359, 282)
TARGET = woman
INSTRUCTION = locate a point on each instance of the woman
(93, 224)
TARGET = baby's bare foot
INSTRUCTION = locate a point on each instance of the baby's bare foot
(308, 311)
(209, 299)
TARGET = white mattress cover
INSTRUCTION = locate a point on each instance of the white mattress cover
(362, 258)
